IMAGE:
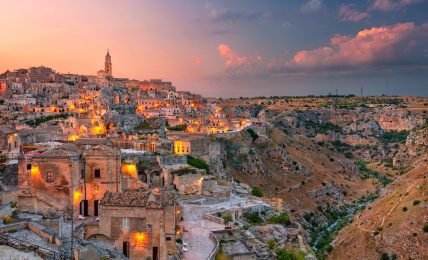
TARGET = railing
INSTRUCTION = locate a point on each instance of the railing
(216, 248)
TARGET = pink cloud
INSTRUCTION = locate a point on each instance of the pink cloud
(401, 43)
(390, 5)
(198, 60)
(348, 13)
(233, 60)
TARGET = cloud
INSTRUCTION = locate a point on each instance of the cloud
(311, 6)
(348, 13)
(221, 15)
(233, 60)
(395, 45)
(391, 5)
(285, 24)
(198, 60)
(221, 32)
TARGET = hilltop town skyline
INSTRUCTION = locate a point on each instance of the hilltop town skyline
(213, 129)
(218, 48)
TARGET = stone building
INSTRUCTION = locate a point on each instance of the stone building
(193, 145)
(10, 142)
(142, 223)
(68, 176)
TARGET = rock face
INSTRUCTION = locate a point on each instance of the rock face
(416, 146)
(269, 232)
(397, 120)
(10, 176)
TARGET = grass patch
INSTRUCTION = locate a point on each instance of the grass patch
(366, 173)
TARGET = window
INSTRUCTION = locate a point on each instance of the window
(29, 166)
(49, 176)
(168, 238)
(97, 173)
(125, 222)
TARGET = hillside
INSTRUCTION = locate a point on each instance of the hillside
(392, 225)
(298, 171)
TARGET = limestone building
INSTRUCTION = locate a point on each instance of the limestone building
(142, 223)
(68, 177)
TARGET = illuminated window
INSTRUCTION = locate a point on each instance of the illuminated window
(49, 177)
(125, 222)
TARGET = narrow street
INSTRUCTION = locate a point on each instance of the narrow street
(198, 230)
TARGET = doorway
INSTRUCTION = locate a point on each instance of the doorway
(96, 208)
(155, 253)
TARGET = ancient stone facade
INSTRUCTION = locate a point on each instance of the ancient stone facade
(68, 177)
(140, 222)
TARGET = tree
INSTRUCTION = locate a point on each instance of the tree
(227, 219)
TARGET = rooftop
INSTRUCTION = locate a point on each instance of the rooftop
(139, 198)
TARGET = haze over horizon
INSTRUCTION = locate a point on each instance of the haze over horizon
(229, 49)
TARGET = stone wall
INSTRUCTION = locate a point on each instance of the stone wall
(188, 183)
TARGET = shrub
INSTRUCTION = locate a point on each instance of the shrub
(253, 133)
(256, 191)
(253, 218)
(425, 228)
(227, 219)
(289, 254)
(8, 220)
(404, 209)
(177, 128)
(43, 119)
(416, 202)
(15, 213)
(387, 256)
(394, 136)
(271, 244)
(143, 125)
(13, 204)
(282, 218)
(198, 163)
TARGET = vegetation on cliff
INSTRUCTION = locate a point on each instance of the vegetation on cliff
(198, 163)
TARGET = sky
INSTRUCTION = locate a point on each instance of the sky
(228, 48)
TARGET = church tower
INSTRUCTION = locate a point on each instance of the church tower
(108, 65)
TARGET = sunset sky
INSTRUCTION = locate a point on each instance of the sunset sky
(228, 48)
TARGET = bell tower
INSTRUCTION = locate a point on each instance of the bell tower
(108, 65)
